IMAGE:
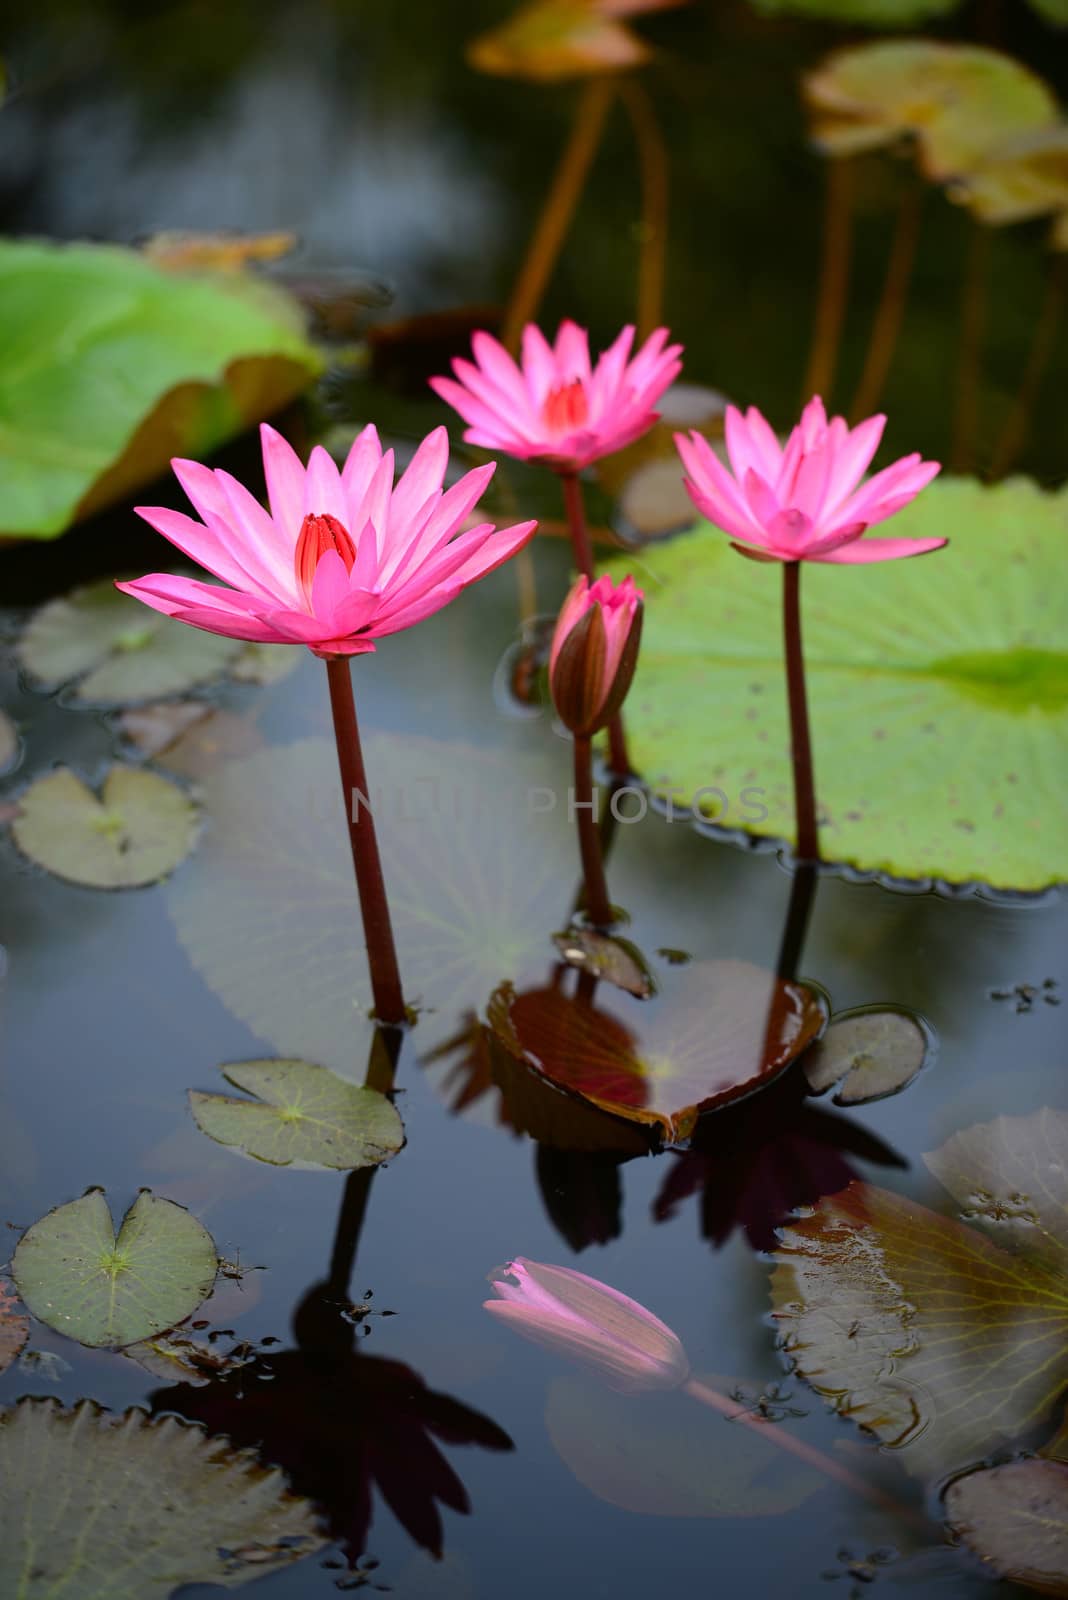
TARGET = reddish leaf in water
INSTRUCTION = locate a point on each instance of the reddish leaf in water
(14, 1326)
(720, 1030)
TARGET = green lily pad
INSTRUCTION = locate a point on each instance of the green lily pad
(862, 13)
(74, 1274)
(112, 367)
(869, 1052)
(944, 1344)
(959, 101)
(476, 874)
(9, 742)
(14, 1326)
(660, 1455)
(938, 687)
(102, 1507)
(123, 652)
(302, 1116)
(137, 832)
(1015, 1517)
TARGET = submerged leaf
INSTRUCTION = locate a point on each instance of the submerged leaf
(661, 1456)
(608, 957)
(918, 1326)
(14, 1326)
(302, 1116)
(939, 691)
(153, 729)
(869, 1052)
(97, 1507)
(122, 652)
(1015, 1517)
(137, 832)
(112, 367)
(719, 1030)
(959, 101)
(105, 1291)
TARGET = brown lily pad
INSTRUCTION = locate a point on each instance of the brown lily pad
(1015, 1517)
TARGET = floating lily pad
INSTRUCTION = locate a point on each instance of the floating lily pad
(720, 1030)
(267, 663)
(74, 1274)
(1026, 178)
(14, 1326)
(302, 1116)
(662, 1456)
(918, 1326)
(9, 742)
(153, 729)
(608, 957)
(869, 1052)
(122, 651)
(177, 1357)
(137, 832)
(939, 690)
(863, 13)
(113, 366)
(478, 859)
(550, 40)
(1015, 1517)
(101, 1507)
(958, 100)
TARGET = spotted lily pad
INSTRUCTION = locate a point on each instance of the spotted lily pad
(113, 366)
(920, 1327)
(121, 652)
(1015, 1517)
(74, 1274)
(102, 1507)
(136, 832)
(302, 1116)
(958, 100)
(14, 1326)
(719, 1030)
(939, 690)
(662, 1456)
(869, 1052)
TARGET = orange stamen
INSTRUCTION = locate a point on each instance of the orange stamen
(317, 535)
(566, 408)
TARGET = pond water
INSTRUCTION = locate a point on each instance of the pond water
(360, 1298)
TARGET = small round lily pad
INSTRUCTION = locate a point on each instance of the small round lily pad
(1016, 1518)
(136, 832)
(74, 1274)
(869, 1052)
(122, 652)
(303, 1116)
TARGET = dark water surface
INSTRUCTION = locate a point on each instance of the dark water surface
(361, 127)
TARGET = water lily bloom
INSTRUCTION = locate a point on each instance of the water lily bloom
(594, 652)
(554, 406)
(804, 501)
(343, 557)
(585, 1320)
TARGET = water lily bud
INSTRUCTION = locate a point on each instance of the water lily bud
(588, 1322)
(594, 652)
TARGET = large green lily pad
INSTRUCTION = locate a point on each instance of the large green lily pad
(918, 1326)
(302, 1115)
(959, 101)
(99, 1507)
(111, 367)
(74, 1274)
(938, 685)
(137, 831)
(122, 652)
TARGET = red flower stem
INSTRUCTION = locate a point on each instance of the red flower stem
(808, 846)
(807, 1453)
(598, 908)
(377, 928)
(618, 759)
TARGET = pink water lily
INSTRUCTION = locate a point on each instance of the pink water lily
(585, 1320)
(555, 406)
(343, 557)
(804, 501)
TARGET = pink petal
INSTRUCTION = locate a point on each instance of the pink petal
(329, 586)
(477, 412)
(359, 469)
(608, 373)
(763, 506)
(202, 545)
(813, 423)
(204, 491)
(202, 606)
(365, 567)
(575, 606)
(422, 478)
(539, 366)
(260, 548)
(407, 616)
(852, 460)
(498, 365)
(285, 481)
(789, 534)
(767, 451)
(447, 516)
(746, 454)
(374, 508)
(863, 550)
(900, 482)
(572, 352)
(500, 547)
(323, 494)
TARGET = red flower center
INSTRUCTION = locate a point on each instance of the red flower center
(317, 535)
(566, 408)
